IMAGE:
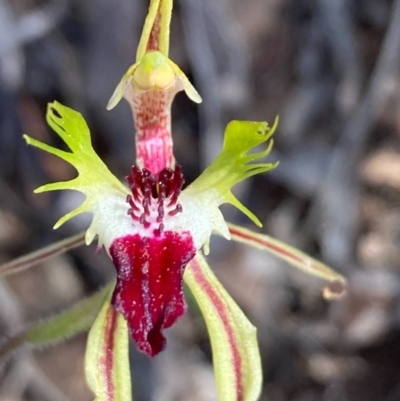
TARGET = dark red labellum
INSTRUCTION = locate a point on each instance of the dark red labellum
(149, 290)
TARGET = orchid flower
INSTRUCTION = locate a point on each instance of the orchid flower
(156, 233)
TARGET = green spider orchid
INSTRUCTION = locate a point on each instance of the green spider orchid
(156, 233)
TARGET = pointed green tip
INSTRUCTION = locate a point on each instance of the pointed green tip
(114, 100)
(27, 139)
(229, 197)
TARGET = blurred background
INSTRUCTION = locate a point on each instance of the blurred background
(330, 69)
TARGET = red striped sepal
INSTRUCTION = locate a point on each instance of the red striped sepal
(236, 356)
(107, 357)
(337, 283)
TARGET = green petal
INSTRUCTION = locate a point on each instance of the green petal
(77, 319)
(94, 179)
(337, 283)
(107, 357)
(235, 163)
(236, 356)
(189, 89)
(166, 14)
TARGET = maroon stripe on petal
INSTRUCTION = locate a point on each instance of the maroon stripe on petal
(223, 313)
(149, 290)
(265, 243)
(108, 352)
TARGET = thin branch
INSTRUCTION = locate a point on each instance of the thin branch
(42, 255)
